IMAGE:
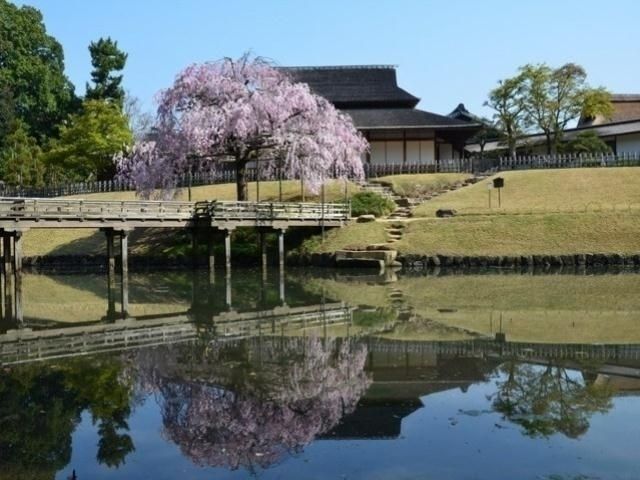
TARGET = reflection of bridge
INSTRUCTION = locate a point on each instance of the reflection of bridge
(522, 350)
(26, 345)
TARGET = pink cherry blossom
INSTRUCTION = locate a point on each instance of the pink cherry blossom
(243, 111)
(250, 405)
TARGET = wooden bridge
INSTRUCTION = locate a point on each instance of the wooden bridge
(118, 218)
(25, 345)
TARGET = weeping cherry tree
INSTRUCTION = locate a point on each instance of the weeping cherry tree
(243, 111)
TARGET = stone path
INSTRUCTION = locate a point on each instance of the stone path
(397, 220)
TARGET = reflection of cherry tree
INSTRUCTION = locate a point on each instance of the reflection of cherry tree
(249, 407)
(549, 399)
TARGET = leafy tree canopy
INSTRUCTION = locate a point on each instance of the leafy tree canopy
(555, 97)
(89, 142)
(32, 71)
(21, 158)
(540, 98)
(586, 142)
(106, 58)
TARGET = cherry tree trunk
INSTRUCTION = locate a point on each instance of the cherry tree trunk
(242, 188)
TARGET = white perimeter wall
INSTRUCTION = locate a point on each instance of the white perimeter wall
(390, 152)
(628, 143)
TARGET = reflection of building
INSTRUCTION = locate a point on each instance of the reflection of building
(400, 380)
(385, 113)
(404, 373)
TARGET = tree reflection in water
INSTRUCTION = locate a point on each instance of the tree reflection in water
(41, 405)
(549, 399)
(251, 404)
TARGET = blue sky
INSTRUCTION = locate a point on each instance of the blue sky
(446, 51)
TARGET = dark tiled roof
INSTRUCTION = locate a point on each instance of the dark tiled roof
(350, 87)
(461, 113)
(402, 117)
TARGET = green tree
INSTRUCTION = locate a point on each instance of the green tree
(507, 101)
(32, 69)
(555, 97)
(487, 133)
(21, 158)
(549, 399)
(89, 141)
(106, 58)
(7, 114)
(586, 142)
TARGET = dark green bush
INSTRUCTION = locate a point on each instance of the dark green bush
(369, 203)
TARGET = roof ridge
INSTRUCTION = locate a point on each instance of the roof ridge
(341, 67)
(625, 97)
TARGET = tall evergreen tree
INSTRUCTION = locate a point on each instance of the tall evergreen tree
(106, 59)
(32, 72)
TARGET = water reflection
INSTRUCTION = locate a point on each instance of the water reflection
(236, 376)
(42, 406)
(249, 404)
(550, 398)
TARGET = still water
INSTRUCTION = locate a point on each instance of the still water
(321, 375)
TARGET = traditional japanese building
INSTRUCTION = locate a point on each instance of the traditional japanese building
(621, 131)
(397, 131)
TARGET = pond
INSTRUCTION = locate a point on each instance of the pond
(321, 374)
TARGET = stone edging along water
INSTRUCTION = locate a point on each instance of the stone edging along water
(328, 259)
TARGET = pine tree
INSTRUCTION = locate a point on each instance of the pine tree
(106, 59)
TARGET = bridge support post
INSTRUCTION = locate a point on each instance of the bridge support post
(6, 250)
(211, 259)
(227, 251)
(281, 249)
(227, 291)
(194, 247)
(111, 258)
(263, 251)
(283, 299)
(124, 268)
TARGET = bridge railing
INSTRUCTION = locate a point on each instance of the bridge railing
(278, 211)
(46, 209)
(35, 209)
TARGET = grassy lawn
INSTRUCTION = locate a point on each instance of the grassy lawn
(541, 191)
(356, 235)
(553, 212)
(559, 308)
(71, 299)
(420, 184)
(269, 191)
(544, 212)
(538, 234)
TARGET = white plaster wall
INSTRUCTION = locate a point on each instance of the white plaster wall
(378, 152)
(390, 152)
(428, 152)
(413, 151)
(628, 143)
(394, 153)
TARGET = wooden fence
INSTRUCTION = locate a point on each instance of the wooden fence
(460, 165)
(568, 161)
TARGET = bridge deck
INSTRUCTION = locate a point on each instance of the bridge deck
(26, 213)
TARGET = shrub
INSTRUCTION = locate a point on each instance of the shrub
(370, 203)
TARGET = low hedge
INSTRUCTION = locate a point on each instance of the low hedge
(370, 203)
